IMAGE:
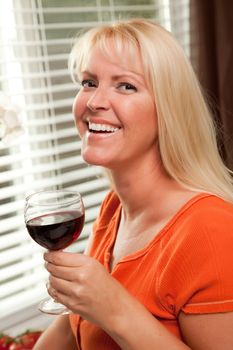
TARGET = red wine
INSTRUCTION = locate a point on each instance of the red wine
(57, 230)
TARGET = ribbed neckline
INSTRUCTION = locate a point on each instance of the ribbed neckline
(115, 223)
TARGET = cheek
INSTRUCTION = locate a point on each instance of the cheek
(151, 113)
(145, 113)
(79, 107)
(146, 121)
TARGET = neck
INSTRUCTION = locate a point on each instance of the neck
(140, 187)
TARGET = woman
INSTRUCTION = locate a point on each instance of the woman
(157, 273)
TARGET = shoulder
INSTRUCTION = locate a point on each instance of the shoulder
(104, 224)
(209, 204)
(108, 207)
(204, 228)
(110, 199)
(199, 251)
(206, 214)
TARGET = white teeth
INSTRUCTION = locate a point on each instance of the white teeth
(101, 127)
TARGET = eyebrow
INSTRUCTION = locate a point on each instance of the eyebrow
(131, 75)
(115, 77)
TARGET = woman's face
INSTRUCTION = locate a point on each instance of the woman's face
(115, 112)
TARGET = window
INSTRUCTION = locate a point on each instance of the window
(36, 38)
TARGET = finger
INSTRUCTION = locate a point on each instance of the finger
(64, 295)
(65, 258)
(62, 286)
(69, 303)
(59, 288)
(62, 272)
(52, 292)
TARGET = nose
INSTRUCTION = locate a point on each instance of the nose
(99, 100)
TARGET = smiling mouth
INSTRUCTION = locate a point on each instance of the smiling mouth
(101, 128)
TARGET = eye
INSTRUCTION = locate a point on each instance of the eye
(126, 87)
(88, 83)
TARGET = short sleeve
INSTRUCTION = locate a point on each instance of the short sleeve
(106, 213)
(198, 274)
(107, 210)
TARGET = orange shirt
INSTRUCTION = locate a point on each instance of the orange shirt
(188, 266)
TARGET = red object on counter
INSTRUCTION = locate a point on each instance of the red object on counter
(24, 341)
(5, 341)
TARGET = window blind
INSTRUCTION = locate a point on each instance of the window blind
(36, 38)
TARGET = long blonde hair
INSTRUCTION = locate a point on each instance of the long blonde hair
(187, 135)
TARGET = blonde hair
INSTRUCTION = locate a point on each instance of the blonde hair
(187, 135)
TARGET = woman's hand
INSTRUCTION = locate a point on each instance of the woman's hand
(83, 285)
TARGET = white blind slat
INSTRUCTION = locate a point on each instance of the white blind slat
(89, 9)
(39, 153)
(20, 268)
(42, 183)
(90, 186)
(33, 59)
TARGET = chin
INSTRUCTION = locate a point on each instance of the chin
(93, 159)
(107, 158)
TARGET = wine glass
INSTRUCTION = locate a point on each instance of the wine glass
(54, 219)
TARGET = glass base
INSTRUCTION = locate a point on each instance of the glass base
(50, 306)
